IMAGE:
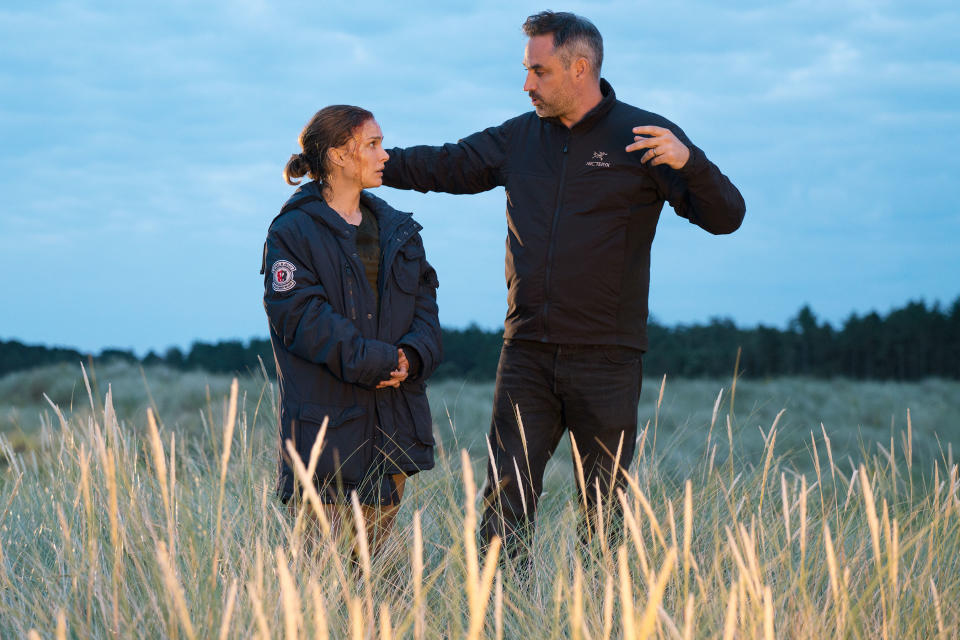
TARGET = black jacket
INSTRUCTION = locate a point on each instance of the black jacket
(581, 214)
(332, 348)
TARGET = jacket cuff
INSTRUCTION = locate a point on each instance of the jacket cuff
(416, 362)
(696, 163)
(387, 360)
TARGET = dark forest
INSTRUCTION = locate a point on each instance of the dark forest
(909, 343)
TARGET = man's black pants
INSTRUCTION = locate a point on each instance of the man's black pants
(590, 390)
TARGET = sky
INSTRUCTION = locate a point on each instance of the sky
(142, 144)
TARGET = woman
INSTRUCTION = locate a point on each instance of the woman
(351, 304)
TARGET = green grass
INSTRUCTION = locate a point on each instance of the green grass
(109, 529)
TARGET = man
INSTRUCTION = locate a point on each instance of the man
(586, 177)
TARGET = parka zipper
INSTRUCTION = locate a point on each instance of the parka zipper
(550, 246)
(350, 293)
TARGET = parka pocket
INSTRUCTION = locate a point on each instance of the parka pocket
(415, 396)
(408, 430)
(338, 416)
(347, 448)
(406, 269)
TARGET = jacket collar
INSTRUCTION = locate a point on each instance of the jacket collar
(395, 226)
(309, 198)
(388, 219)
(597, 113)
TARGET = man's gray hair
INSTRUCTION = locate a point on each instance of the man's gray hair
(573, 36)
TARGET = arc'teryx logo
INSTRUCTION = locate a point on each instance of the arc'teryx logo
(597, 160)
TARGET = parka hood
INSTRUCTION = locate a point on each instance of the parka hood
(309, 198)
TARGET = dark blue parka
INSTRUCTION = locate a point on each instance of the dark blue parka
(332, 346)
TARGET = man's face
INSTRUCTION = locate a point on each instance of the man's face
(549, 85)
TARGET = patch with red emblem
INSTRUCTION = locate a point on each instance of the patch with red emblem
(282, 275)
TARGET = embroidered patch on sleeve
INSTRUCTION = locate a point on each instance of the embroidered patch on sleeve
(282, 277)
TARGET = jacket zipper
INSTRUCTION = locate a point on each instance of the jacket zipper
(351, 272)
(353, 298)
(553, 231)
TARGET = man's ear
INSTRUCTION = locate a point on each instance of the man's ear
(581, 68)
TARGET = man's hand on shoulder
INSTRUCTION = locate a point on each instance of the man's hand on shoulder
(663, 147)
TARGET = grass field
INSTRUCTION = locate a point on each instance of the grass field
(837, 519)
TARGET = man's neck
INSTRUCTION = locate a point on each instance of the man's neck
(588, 100)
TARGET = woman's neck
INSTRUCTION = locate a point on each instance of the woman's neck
(344, 199)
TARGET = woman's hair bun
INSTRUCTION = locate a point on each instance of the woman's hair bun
(297, 167)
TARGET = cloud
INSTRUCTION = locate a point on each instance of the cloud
(151, 138)
(836, 62)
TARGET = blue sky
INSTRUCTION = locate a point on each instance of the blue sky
(141, 147)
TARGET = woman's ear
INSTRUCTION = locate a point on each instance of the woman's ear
(336, 156)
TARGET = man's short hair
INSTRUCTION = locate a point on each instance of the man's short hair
(573, 36)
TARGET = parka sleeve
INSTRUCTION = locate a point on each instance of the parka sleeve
(471, 165)
(699, 191)
(424, 334)
(300, 313)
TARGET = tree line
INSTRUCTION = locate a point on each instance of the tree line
(913, 342)
(909, 343)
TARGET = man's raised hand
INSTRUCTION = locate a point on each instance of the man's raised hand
(663, 147)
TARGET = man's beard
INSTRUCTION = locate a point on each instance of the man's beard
(557, 107)
(544, 109)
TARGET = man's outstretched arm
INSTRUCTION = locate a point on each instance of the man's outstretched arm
(472, 165)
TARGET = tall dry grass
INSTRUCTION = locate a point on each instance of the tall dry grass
(112, 530)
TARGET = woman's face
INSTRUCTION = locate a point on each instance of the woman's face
(364, 156)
